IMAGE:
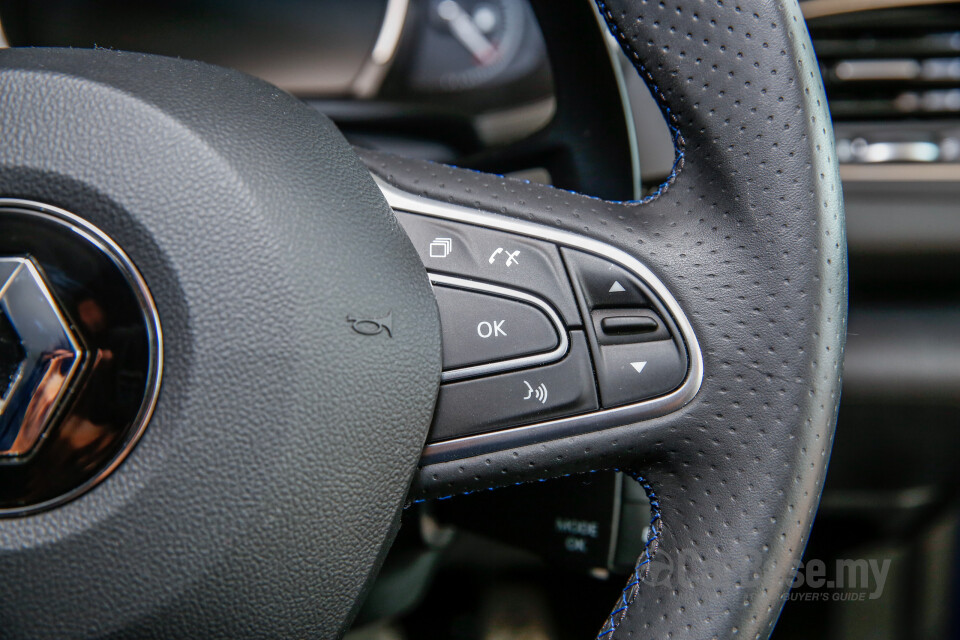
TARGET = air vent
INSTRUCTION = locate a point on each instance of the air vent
(892, 78)
(892, 63)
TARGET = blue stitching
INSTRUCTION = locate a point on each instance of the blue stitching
(629, 593)
(515, 484)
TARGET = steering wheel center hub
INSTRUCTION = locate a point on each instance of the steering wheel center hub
(301, 352)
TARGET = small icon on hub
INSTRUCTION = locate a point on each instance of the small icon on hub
(372, 326)
(540, 393)
(441, 247)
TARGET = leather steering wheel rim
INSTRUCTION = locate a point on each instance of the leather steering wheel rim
(748, 234)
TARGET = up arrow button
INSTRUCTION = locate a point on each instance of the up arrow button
(604, 285)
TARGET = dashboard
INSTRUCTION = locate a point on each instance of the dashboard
(471, 71)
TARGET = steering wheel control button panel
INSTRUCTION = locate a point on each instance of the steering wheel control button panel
(504, 258)
(487, 328)
(521, 397)
(546, 334)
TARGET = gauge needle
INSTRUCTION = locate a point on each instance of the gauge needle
(466, 31)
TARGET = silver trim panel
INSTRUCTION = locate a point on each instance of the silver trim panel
(562, 427)
(901, 172)
(822, 8)
(513, 363)
(368, 81)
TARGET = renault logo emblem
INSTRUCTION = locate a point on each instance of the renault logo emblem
(81, 356)
(39, 356)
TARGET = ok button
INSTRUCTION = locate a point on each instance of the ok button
(492, 329)
(479, 328)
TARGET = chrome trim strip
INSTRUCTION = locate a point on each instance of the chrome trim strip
(393, 18)
(617, 514)
(513, 363)
(616, 55)
(901, 172)
(562, 427)
(822, 8)
(367, 82)
(99, 239)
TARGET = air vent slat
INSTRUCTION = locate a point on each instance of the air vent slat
(892, 46)
(891, 64)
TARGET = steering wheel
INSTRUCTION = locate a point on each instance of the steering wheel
(291, 358)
